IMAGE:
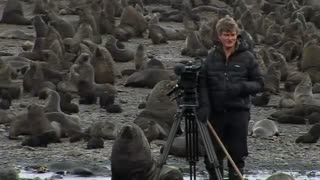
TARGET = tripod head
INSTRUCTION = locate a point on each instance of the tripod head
(186, 87)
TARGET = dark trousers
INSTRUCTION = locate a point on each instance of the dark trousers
(232, 129)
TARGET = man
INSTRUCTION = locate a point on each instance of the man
(228, 77)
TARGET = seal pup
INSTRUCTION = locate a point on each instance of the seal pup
(103, 129)
(86, 92)
(113, 108)
(312, 136)
(95, 143)
(261, 100)
(66, 105)
(303, 92)
(41, 140)
(264, 129)
(13, 14)
(119, 53)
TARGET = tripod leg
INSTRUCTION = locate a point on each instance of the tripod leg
(172, 133)
(212, 157)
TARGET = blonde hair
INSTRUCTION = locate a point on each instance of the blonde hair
(227, 24)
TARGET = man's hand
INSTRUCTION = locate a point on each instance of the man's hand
(203, 114)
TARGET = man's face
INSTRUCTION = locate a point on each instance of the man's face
(228, 39)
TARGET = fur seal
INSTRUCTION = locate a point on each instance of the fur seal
(293, 79)
(157, 103)
(6, 82)
(131, 154)
(132, 23)
(41, 140)
(193, 46)
(119, 53)
(147, 78)
(262, 100)
(131, 147)
(283, 64)
(66, 105)
(106, 99)
(86, 16)
(309, 54)
(69, 124)
(5, 72)
(152, 63)
(291, 119)
(272, 79)
(34, 122)
(312, 136)
(65, 28)
(157, 34)
(41, 28)
(95, 143)
(105, 70)
(9, 174)
(287, 101)
(303, 92)
(178, 147)
(290, 50)
(5, 100)
(16, 34)
(313, 118)
(264, 129)
(13, 14)
(86, 92)
(40, 7)
(103, 129)
(113, 108)
(139, 57)
(279, 176)
(33, 78)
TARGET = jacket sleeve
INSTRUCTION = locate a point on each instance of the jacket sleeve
(255, 83)
(203, 96)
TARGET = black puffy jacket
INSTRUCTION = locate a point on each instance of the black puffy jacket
(218, 75)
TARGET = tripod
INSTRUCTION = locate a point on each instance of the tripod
(188, 103)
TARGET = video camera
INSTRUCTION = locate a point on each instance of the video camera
(187, 83)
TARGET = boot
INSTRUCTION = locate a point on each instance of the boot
(212, 172)
(233, 174)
